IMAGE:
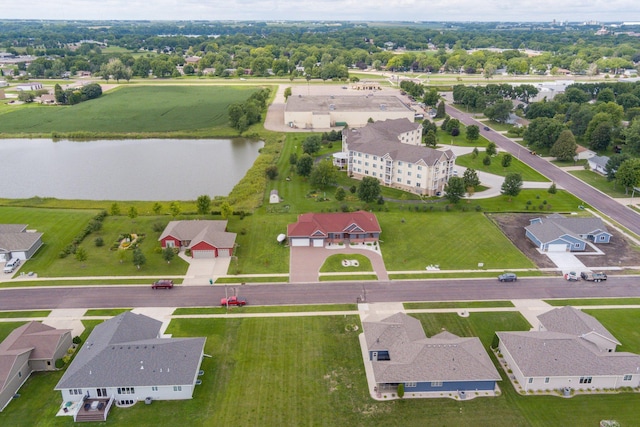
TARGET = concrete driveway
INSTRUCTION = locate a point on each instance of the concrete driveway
(566, 261)
(305, 262)
(202, 270)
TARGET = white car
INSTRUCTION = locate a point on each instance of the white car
(572, 276)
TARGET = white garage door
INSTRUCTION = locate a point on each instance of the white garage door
(561, 247)
(204, 254)
(318, 243)
(224, 253)
(299, 242)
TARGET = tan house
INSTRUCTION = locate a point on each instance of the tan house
(324, 112)
(30, 347)
(392, 152)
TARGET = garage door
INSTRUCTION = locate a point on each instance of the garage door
(318, 243)
(299, 242)
(204, 254)
(557, 248)
(224, 253)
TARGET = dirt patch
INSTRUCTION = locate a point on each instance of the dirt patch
(619, 253)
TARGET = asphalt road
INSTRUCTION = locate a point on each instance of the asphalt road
(600, 201)
(316, 293)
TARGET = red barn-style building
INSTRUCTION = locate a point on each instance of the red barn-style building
(319, 229)
(206, 239)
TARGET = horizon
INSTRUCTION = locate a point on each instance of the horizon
(407, 11)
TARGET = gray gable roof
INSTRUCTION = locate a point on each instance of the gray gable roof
(14, 237)
(599, 161)
(415, 358)
(546, 354)
(212, 232)
(126, 351)
(570, 320)
(555, 226)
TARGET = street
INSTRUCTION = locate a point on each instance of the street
(600, 201)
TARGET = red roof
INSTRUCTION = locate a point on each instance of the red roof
(320, 224)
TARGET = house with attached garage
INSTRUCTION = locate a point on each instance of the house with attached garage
(205, 239)
(320, 229)
(392, 152)
(31, 347)
(125, 360)
(18, 242)
(557, 233)
(400, 353)
(571, 350)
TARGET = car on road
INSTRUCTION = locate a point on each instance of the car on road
(162, 284)
(234, 300)
(593, 277)
(487, 128)
(508, 277)
(572, 276)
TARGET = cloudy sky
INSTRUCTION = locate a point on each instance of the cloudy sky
(376, 10)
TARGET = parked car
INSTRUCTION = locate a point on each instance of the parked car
(508, 277)
(593, 277)
(162, 284)
(487, 128)
(234, 300)
(572, 276)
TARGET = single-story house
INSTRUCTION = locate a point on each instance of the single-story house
(47, 99)
(400, 353)
(583, 153)
(571, 350)
(125, 360)
(319, 229)
(30, 347)
(18, 242)
(599, 164)
(274, 197)
(206, 239)
(557, 233)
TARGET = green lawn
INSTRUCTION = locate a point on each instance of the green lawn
(450, 240)
(496, 168)
(623, 324)
(15, 314)
(600, 182)
(334, 263)
(59, 227)
(132, 109)
(456, 304)
(308, 371)
(102, 261)
(593, 301)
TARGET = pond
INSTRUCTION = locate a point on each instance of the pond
(138, 169)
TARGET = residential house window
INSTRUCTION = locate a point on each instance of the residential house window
(436, 383)
(419, 168)
(366, 172)
(359, 154)
(177, 388)
(374, 174)
(627, 378)
(546, 380)
(154, 388)
(366, 163)
(374, 166)
(411, 384)
(126, 390)
(375, 157)
(359, 162)
(585, 380)
(75, 391)
(409, 165)
(417, 184)
(399, 170)
(408, 182)
(530, 380)
(419, 176)
(366, 156)
(170, 244)
(399, 180)
(409, 173)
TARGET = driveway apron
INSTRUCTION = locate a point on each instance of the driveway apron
(305, 262)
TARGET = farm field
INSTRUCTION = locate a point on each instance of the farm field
(318, 379)
(132, 109)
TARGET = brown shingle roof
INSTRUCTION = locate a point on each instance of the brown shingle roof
(321, 224)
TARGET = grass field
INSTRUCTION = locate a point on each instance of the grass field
(600, 182)
(334, 263)
(133, 109)
(308, 371)
(496, 168)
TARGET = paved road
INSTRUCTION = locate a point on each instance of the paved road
(314, 293)
(605, 204)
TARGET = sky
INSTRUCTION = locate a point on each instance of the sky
(333, 10)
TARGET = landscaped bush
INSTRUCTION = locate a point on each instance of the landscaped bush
(77, 340)
(59, 363)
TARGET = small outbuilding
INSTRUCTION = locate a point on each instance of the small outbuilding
(274, 197)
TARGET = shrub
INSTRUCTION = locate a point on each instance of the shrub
(99, 241)
(77, 340)
(59, 363)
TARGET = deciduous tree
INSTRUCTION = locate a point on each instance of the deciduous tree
(454, 189)
(368, 189)
(512, 185)
(203, 204)
(565, 147)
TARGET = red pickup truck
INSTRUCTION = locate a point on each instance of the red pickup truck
(233, 301)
